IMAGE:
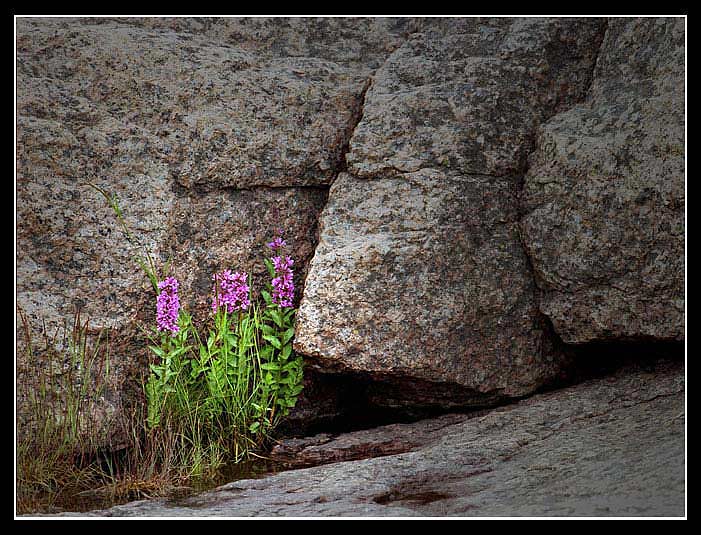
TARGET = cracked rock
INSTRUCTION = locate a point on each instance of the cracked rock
(420, 279)
(605, 194)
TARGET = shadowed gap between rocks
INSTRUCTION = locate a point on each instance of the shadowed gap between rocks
(361, 429)
(345, 402)
(342, 164)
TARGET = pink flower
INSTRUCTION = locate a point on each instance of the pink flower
(168, 306)
(230, 290)
(283, 285)
(276, 243)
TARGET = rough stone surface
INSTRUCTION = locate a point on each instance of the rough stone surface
(420, 278)
(175, 116)
(152, 109)
(424, 277)
(611, 446)
(215, 113)
(230, 228)
(468, 94)
(325, 448)
(605, 197)
(362, 43)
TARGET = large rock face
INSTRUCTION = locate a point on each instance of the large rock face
(467, 94)
(214, 132)
(153, 109)
(605, 194)
(420, 275)
(424, 277)
(176, 117)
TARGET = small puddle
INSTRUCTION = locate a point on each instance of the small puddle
(227, 474)
(236, 472)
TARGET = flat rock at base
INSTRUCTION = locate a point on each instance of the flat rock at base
(611, 446)
(605, 197)
(326, 448)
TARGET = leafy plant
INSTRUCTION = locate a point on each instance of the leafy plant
(282, 369)
(210, 399)
(219, 396)
(226, 392)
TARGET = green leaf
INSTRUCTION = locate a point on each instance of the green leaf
(271, 268)
(289, 333)
(267, 329)
(286, 352)
(254, 427)
(180, 351)
(196, 370)
(275, 314)
(272, 366)
(157, 350)
(276, 343)
(291, 367)
(266, 296)
(156, 369)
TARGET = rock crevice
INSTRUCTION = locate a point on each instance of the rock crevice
(420, 275)
(604, 194)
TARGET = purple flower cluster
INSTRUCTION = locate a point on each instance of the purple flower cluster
(276, 243)
(230, 290)
(168, 306)
(283, 286)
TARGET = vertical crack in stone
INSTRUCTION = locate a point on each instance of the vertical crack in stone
(341, 165)
(580, 352)
(356, 117)
(402, 146)
(550, 335)
(604, 31)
